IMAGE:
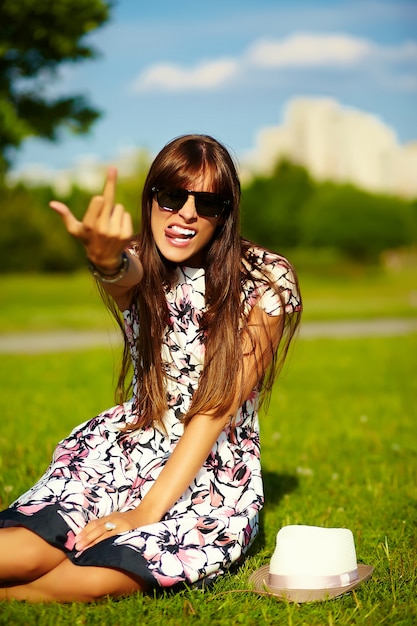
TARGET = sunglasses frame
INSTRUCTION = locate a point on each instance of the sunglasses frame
(198, 196)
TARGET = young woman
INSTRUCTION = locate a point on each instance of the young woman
(164, 488)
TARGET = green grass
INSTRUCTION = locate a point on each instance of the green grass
(339, 449)
(35, 302)
(361, 296)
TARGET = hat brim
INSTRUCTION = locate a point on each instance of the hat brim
(259, 580)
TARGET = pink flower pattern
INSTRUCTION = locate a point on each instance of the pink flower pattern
(98, 469)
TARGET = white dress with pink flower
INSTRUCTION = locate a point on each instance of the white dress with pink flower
(99, 469)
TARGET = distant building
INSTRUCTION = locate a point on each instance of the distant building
(339, 144)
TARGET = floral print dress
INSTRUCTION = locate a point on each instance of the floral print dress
(99, 469)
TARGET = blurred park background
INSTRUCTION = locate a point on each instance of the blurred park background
(317, 101)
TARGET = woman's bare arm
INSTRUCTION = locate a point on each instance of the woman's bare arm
(196, 442)
(203, 430)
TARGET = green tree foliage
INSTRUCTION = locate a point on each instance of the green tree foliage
(32, 239)
(271, 207)
(37, 37)
(358, 224)
(289, 210)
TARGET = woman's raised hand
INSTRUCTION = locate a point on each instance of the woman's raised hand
(106, 227)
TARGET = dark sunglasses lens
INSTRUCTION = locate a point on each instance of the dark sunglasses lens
(208, 204)
(173, 200)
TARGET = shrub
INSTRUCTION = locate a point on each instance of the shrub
(271, 207)
(357, 223)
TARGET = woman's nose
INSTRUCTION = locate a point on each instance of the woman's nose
(188, 211)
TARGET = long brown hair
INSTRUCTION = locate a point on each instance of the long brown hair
(178, 164)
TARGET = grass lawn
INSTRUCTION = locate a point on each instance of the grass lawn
(339, 449)
(49, 302)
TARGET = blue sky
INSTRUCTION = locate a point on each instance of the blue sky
(230, 67)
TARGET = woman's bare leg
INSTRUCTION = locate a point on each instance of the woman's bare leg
(74, 583)
(25, 556)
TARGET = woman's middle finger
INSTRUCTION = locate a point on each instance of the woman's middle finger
(101, 207)
(109, 193)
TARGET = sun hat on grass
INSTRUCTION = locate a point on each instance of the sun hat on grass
(310, 564)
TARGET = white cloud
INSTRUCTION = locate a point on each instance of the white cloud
(404, 52)
(406, 83)
(303, 50)
(171, 77)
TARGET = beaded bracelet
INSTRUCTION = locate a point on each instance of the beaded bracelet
(115, 276)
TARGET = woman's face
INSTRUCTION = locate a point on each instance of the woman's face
(182, 236)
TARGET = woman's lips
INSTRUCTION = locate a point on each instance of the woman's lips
(179, 235)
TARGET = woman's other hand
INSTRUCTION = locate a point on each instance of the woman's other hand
(99, 529)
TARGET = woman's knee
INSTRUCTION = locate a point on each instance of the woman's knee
(26, 556)
(75, 583)
(103, 581)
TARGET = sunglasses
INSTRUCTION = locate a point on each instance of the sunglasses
(206, 204)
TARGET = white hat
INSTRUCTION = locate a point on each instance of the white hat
(311, 564)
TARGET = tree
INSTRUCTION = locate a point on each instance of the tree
(36, 37)
(271, 207)
(359, 224)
